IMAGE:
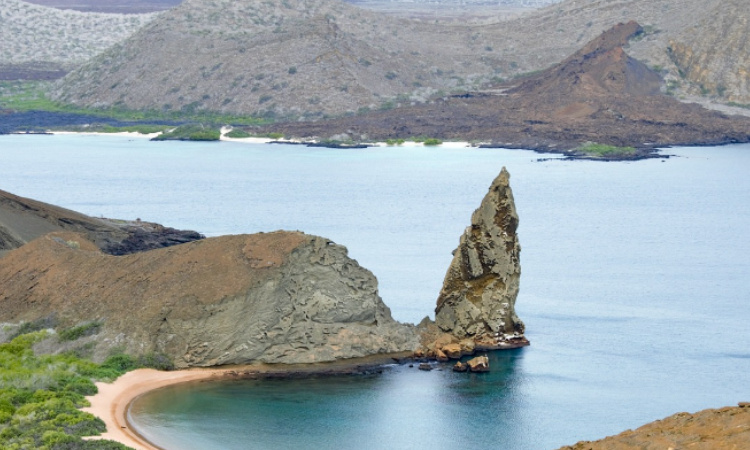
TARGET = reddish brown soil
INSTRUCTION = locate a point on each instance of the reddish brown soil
(711, 429)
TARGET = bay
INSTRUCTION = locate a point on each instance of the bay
(634, 284)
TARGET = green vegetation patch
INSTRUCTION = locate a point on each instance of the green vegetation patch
(32, 96)
(605, 151)
(72, 334)
(238, 134)
(431, 142)
(40, 396)
(739, 105)
(190, 133)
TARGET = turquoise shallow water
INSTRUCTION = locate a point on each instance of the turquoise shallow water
(634, 287)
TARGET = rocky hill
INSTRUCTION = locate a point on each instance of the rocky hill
(22, 220)
(276, 298)
(710, 429)
(283, 57)
(598, 94)
(714, 54)
(323, 57)
(47, 37)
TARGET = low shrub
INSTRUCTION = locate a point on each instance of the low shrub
(190, 133)
(40, 397)
(238, 134)
(603, 150)
(72, 334)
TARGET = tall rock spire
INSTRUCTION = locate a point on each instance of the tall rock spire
(478, 297)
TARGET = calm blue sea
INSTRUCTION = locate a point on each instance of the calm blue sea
(635, 284)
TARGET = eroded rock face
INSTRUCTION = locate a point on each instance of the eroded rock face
(714, 54)
(479, 292)
(275, 298)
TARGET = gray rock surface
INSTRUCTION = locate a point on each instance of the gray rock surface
(479, 292)
(273, 298)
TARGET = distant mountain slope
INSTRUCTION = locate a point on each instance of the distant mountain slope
(313, 58)
(32, 33)
(283, 56)
(714, 54)
(599, 94)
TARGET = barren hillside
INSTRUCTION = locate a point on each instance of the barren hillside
(31, 33)
(323, 57)
(288, 57)
(714, 54)
(711, 429)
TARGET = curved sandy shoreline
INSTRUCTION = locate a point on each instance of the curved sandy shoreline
(113, 400)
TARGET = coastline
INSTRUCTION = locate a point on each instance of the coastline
(112, 401)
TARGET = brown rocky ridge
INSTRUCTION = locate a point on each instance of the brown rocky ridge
(23, 220)
(598, 94)
(711, 429)
(282, 297)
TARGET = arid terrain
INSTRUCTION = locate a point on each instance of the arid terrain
(711, 429)
(317, 58)
(599, 94)
(40, 42)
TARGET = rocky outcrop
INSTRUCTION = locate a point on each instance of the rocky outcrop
(23, 220)
(478, 297)
(280, 297)
(479, 364)
(711, 429)
(714, 54)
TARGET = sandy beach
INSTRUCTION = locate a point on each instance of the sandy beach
(122, 133)
(262, 140)
(113, 400)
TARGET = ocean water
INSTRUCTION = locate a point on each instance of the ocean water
(634, 288)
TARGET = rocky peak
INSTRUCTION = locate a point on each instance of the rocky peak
(601, 67)
(480, 288)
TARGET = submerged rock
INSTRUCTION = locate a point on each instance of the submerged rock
(479, 292)
(282, 297)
